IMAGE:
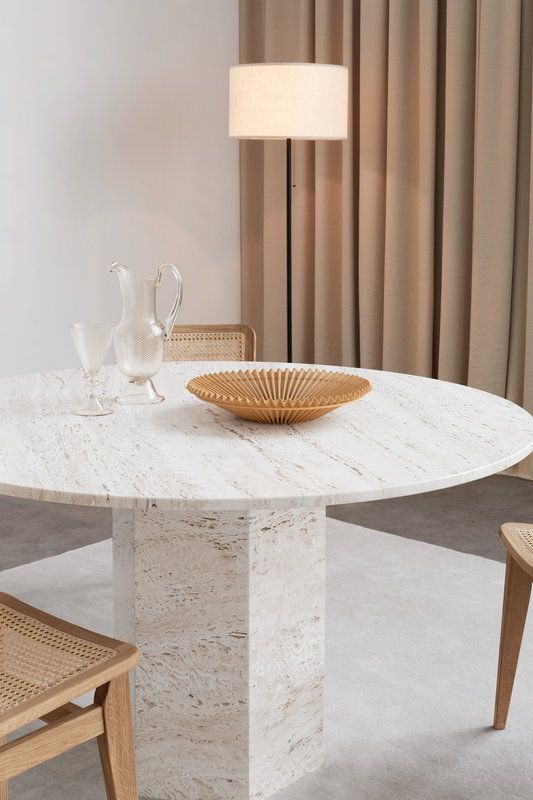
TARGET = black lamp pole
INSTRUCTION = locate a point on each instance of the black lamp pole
(289, 250)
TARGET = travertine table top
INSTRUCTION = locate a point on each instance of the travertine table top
(408, 435)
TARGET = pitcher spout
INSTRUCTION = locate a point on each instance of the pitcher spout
(116, 267)
(134, 288)
(120, 269)
(131, 276)
(123, 274)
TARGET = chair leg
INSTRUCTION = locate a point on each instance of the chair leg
(116, 744)
(3, 784)
(515, 606)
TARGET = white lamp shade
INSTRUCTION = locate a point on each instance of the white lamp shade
(288, 101)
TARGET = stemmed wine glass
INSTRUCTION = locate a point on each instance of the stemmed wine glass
(92, 341)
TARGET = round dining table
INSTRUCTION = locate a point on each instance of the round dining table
(219, 546)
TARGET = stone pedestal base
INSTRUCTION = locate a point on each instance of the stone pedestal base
(227, 609)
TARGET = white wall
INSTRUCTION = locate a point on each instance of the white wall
(113, 145)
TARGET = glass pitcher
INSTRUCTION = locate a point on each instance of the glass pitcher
(139, 336)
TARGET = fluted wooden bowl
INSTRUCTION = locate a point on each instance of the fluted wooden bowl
(279, 395)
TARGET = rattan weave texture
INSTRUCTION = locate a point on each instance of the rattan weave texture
(207, 344)
(205, 347)
(525, 534)
(519, 536)
(35, 657)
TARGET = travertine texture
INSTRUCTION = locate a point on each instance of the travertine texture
(408, 435)
(219, 553)
(228, 611)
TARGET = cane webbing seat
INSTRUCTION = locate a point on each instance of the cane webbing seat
(518, 539)
(210, 343)
(35, 656)
(45, 663)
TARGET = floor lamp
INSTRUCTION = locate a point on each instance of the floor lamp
(288, 101)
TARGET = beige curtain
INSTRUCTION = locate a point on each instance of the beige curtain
(412, 242)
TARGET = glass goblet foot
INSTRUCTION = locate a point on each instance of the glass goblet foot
(94, 407)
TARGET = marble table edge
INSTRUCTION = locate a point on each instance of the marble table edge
(106, 500)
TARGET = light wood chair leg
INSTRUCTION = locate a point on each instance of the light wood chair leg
(3, 784)
(116, 744)
(515, 605)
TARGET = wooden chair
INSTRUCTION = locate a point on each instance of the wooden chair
(44, 664)
(210, 343)
(518, 539)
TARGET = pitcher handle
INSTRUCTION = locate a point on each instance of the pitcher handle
(168, 323)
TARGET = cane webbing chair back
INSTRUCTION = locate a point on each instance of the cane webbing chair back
(45, 663)
(210, 343)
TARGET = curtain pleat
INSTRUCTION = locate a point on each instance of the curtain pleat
(520, 365)
(412, 239)
(456, 187)
(334, 229)
(371, 119)
(409, 196)
(495, 153)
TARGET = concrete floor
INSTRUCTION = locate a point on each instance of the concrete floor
(464, 518)
(31, 530)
